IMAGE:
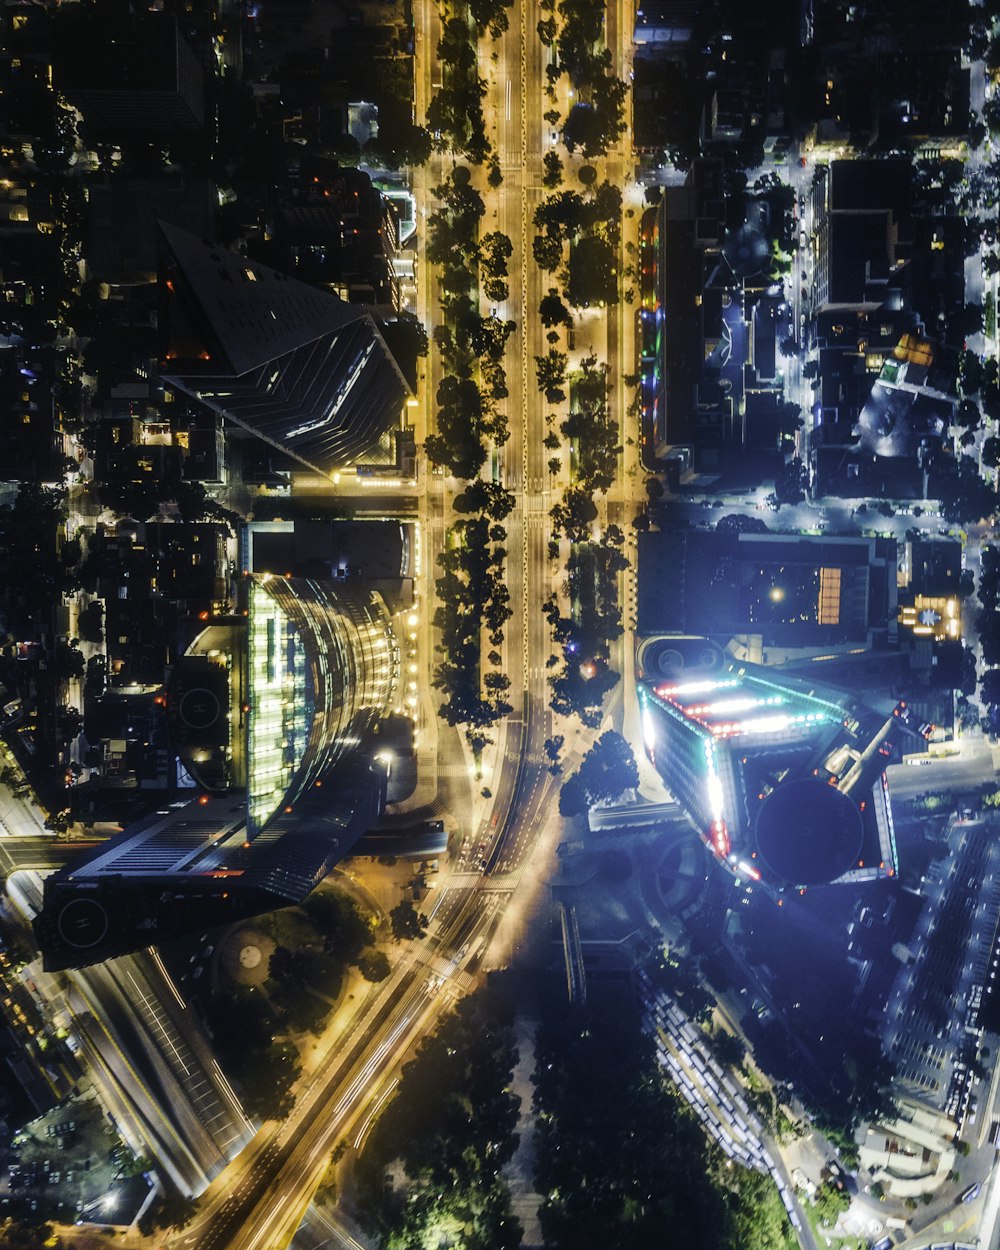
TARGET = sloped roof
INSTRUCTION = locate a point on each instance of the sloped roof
(257, 314)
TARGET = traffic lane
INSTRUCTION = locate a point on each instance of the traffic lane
(972, 768)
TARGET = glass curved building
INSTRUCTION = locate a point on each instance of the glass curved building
(321, 667)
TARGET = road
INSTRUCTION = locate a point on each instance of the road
(261, 1198)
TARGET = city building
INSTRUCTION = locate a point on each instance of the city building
(940, 1002)
(284, 362)
(272, 715)
(774, 596)
(911, 1154)
(381, 554)
(129, 74)
(900, 436)
(785, 782)
(334, 229)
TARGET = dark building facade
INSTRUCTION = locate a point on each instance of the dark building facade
(295, 366)
(269, 715)
(129, 74)
(791, 592)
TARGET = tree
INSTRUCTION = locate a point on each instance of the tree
(790, 482)
(606, 772)
(552, 310)
(91, 623)
(968, 416)
(964, 495)
(596, 125)
(989, 689)
(988, 624)
(495, 249)
(553, 168)
(547, 31)
(70, 662)
(551, 373)
(172, 1210)
(592, 275)
(404, 144)
(547, 252)
(830, 1203)
(490, 15)
(562, 215)
(991, 451)
(572, 796)
(488, 497)
(374, 966)
(729, 1049)
(407, 923)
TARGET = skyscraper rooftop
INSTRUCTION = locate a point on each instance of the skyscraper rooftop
(785, 782)
(294, 365)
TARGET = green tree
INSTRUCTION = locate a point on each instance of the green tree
(552, 310)
(172, 1210)
(374, 965)
(609, 768)
(550, 370)
(592, 275)
(547, 252)
(989, 690)
(490, 15)
(407, 923)
(830, 1203)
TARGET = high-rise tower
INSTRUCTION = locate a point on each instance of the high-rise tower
(785, 782)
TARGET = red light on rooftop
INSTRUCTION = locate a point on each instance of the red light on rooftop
(288, 808)
(203, 799)
(319, 785)
(202, 616)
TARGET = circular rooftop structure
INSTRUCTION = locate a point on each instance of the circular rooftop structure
(808, 833)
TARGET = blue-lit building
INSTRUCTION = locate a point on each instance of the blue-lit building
(785, 782)
(273, 716)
